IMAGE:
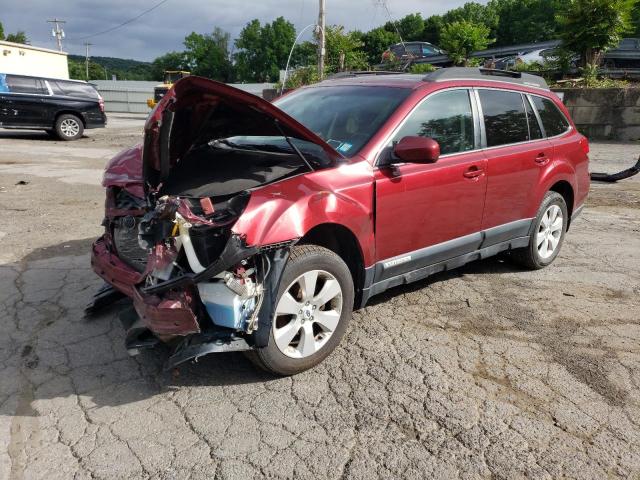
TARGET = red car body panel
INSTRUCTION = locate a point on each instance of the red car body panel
(390, 211)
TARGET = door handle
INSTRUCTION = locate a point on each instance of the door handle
(542, 159)
(473, 172)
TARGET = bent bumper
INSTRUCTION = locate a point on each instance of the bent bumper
(166, 316)
(113, 270)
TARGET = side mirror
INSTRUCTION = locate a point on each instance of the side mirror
(417, 150)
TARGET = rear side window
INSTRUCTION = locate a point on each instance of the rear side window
(18, 84)
(446, 117)
(553, 121)
(505, 119)
(73, 89)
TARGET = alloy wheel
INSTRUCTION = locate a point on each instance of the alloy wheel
(549, 231)
(69, 127)
(307, 314)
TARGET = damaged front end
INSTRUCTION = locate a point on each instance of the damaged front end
(169, 243)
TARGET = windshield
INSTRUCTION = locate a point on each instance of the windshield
(346, 117)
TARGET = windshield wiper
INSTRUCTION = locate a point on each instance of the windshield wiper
(292, 145)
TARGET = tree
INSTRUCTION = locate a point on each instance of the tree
(432, 28)
(410, 27)
(590, 27)
(524, 21)
(263, 50)
(208, 55)
(376, 41)
(1, 31)
(78, 70)
(168, 61)
(470, 12)
(337, 43)
(462, 38)
(18, 37)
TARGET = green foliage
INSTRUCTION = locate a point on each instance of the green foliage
(123, 69)
(300, 77)
(168, 61)
(18, 37)
(590, 27)
(1, 31)
(208, 55)
(77, 70)
(376, 41)
(338, 42)
(524, 21)
(263, 50)
(590, 74)
(462, 38)
(422, 68)
(411, 27)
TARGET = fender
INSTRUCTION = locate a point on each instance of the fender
(289, 209)
(558, 170)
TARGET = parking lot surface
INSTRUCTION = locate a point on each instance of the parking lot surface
(487, 371)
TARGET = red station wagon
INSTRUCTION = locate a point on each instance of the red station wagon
(242, 225)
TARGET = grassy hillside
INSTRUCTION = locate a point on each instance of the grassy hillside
(123, 68)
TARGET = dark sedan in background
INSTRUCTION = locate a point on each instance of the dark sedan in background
(63, 108)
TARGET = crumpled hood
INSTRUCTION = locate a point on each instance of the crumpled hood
(125, 170)
(197, 110)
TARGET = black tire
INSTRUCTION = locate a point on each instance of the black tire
(69, 127)
(529, 256)
(305, 258)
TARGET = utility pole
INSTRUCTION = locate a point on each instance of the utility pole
(87, 45)
(57, 32)
(321, 39)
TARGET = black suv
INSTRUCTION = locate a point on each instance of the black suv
(63, 108)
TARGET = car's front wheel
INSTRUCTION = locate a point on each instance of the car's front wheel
(550, 226)
(313, 308)
(69, 127)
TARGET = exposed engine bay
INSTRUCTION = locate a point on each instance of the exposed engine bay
(169, 242)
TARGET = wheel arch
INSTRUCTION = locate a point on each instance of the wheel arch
(75, 113)
(565, 189)
(344, 243)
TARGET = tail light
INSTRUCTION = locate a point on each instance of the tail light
(101, 103)
(584, 143)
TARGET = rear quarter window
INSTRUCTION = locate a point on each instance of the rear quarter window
(73, 89)
(553, 120)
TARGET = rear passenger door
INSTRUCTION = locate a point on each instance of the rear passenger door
(517, 154)
(23, 101)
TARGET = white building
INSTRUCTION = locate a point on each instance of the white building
(22, 59)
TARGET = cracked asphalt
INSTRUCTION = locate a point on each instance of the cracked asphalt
(485, 372)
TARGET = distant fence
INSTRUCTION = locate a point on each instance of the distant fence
(126, 100)
(131, 96)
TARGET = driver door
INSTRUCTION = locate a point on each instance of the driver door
(427, 213)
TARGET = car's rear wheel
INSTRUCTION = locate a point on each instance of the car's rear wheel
(550, 226)
(69, 127)
(312, 310)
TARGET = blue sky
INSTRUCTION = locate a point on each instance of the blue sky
(164, 28)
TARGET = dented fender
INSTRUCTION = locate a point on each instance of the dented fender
(290, 208)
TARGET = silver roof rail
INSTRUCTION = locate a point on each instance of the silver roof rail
(475, 73)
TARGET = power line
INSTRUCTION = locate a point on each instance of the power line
(123, 23)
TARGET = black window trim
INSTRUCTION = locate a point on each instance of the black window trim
(544, 137)
(559, 111)
(480, 134)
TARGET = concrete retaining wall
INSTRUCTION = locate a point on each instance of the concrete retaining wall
(604, 113)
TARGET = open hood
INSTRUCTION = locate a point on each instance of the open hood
(196, 111)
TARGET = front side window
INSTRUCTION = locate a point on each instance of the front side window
(346, 117)
(446, 117)
(553, 121)
(505, 119)
(18, 84)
